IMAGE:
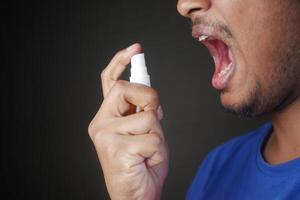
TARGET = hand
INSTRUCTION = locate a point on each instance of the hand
(130, 146)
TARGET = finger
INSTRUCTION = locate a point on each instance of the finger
(136, 124)
(139, 123)
(116, 67)
(160, 113)
(124, 94)
(149, 147)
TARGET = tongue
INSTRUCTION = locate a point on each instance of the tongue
(223, 61)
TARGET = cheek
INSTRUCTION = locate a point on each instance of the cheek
(251, 45)
(237, 16)
(255, 36)
(260, 42)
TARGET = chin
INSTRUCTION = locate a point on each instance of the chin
(238, 104)
(229, 98)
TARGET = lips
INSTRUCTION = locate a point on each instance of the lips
(221, 53)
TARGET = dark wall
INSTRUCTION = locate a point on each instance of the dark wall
(54, 53)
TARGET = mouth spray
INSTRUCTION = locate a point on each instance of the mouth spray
(139, 73)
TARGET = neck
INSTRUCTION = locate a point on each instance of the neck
(283, 144)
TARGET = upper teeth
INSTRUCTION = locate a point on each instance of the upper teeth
(203, 37)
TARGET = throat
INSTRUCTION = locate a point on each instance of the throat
(283, 144)
(272, 154)
(275, 155)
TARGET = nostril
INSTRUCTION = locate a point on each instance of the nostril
(193, 10)
(187, 7)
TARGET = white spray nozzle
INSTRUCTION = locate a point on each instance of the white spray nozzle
(138, 65)
(138, 70)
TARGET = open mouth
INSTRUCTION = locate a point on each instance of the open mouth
(223, 58)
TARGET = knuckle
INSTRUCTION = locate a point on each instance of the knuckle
(151, 116)
(152, 95)
(95, 129)
(103, 74)
(156, 139)
(119, 86)
(96, 135)
(105, 143)
(91, 129)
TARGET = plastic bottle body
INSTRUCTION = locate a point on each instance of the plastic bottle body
(139, 72)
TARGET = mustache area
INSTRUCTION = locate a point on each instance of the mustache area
(218, 26)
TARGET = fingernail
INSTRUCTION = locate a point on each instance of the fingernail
(159, 113)
(130, 48)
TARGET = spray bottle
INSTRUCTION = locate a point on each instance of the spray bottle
(139, 72)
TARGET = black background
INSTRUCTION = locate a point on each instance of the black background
(54, 52)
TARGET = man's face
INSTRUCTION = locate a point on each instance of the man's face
(256, 48)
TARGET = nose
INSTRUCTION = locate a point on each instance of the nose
(187, 7)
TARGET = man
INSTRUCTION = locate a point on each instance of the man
(256, 48)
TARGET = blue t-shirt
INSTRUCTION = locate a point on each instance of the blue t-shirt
(237, 171)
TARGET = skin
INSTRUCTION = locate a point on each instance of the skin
(267, 74)
(131, 146)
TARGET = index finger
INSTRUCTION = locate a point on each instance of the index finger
(117, 65)
(123, 95)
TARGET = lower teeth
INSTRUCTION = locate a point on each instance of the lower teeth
(224, 71)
